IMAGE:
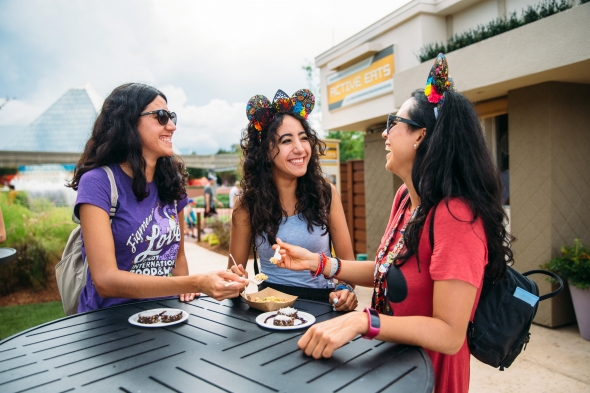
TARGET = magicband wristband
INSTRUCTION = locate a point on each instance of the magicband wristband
(374, 324)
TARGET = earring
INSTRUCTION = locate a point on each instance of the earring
(415, 145)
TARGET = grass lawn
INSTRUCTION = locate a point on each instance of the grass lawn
(14, 319)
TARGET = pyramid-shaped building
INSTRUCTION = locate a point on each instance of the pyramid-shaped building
(64, 127)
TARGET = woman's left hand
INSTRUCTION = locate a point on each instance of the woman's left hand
(322, 339)
(347, 300)
(187, 297)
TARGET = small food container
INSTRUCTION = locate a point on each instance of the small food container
(250, 298)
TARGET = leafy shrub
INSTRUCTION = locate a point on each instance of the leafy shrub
(493, 28)
(573, 265)
(39, 238)
(223, 232)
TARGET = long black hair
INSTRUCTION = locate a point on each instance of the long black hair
(260, 196)
(453, 161)
(115, 139)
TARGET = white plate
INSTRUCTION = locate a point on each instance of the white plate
(133, 319)
(310, 320)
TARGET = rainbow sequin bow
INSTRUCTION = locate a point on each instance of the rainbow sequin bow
(438, 82)
(261, 112)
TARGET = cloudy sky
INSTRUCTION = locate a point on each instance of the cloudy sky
(208, 57)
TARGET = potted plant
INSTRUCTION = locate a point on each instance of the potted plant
(573, 265)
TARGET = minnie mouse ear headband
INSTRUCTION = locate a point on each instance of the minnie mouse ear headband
(261, 112)
(438, 83)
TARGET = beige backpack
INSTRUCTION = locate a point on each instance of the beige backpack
(72, 270)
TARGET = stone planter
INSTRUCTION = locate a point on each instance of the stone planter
(581, 300)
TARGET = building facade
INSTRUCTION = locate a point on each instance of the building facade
(529, 87)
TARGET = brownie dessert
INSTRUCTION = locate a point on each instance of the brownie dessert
(167, 318)
(282, 320)
(148, 319)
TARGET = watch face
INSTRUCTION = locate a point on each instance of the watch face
(375, 322)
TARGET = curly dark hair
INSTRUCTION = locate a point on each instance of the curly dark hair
(260, 196)
(453, 161)
(115, 139)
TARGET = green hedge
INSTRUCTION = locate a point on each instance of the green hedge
(39, 233)
(495, 27)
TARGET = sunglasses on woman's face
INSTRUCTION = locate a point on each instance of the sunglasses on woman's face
(163, 116)
(392, 119)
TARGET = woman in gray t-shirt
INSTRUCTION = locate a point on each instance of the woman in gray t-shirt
(284, 195)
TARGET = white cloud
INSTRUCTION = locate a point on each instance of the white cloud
(211, 56)
(207, 128)
(19, 112)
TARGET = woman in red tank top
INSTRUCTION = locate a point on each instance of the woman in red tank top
(425, 295)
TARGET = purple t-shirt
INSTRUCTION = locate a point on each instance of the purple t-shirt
(146, 233)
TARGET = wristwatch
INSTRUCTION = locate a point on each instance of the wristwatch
(374, 324)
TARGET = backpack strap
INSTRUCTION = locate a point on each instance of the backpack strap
(114, 192)
(256, 269)
(553, 276)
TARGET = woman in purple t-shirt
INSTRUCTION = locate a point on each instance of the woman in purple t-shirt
(140, 253)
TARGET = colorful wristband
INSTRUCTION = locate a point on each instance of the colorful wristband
(321, 265)
(334, 268)
(374, 324)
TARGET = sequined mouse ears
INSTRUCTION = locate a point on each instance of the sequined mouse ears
(260, 111)
(438, 83)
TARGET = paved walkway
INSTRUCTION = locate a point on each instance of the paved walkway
(556, 360)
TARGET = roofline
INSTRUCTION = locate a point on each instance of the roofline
(394, 19)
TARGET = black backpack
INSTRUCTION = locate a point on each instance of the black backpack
(500, 328)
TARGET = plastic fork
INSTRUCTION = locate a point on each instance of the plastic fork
(255, 281)
(277, 257)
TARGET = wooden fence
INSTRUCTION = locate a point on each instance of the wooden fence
(352, 188)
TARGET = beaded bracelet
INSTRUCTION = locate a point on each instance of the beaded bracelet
(339, 267)
(321, 265)
(334, 267)
(344, 286)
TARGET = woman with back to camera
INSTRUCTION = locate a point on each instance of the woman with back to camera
(284, 194)
(425, 296)
(140, 254)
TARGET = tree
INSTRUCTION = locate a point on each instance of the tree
(351, 144)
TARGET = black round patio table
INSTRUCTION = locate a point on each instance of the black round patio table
(220, 348)
(7, 255)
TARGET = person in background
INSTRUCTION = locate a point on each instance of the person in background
(11, 194)
(234, 192)
(210, 197)
(2, 228)
(190, 219)
(425, 295)
(284, 194)
(140, 253)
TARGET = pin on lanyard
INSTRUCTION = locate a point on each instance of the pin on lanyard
(400, 243)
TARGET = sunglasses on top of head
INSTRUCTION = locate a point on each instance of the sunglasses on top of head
(163, 116)
(392, 119)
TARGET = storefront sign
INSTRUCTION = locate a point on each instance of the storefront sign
(366, 79)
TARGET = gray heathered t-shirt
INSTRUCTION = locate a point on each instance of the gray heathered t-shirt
(293, 230)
